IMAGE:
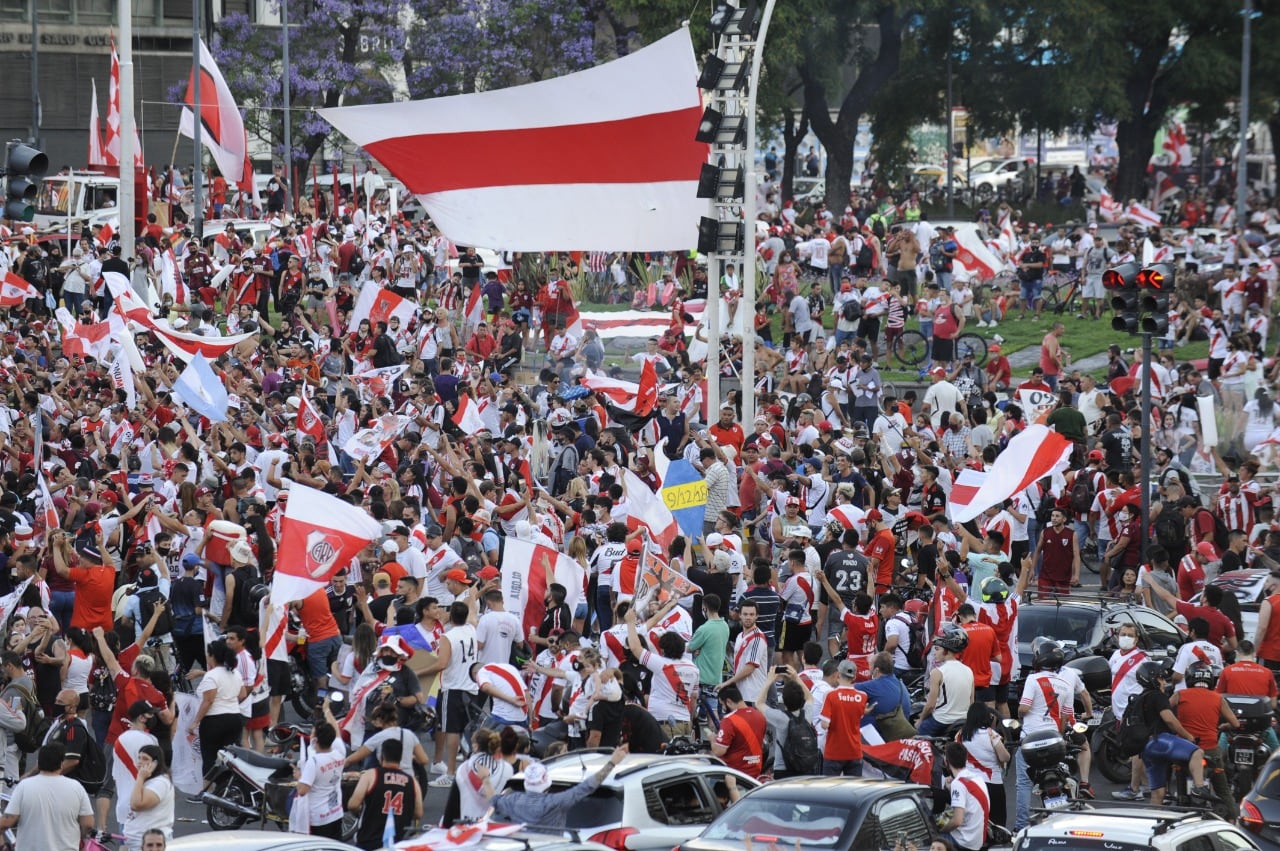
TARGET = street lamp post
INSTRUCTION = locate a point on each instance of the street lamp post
(288, 129)
(1242, 165)
(197, 173)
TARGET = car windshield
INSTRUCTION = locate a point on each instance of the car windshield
(986, 167)
(783, 822)
(1061, 623)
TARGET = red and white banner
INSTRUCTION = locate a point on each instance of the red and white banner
(78, 339)
(525, 163)
(527, 570)
(14, 290)
(318, 535)
(1035, 453)
(973, 256)
(121, 372)
(1144, 216)
(309, 422)
(222, 127)
(111, 144)
(638, 399)
(1108, 207)
(378, 304)
(648, 510)
(473, 313)
(1036, 404)
(95, 129)
(186, 346)
(467, 416)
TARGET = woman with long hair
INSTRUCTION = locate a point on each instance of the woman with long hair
(986, 747)
(78, 664)
(151, 800)
(320, 781)
(218, 717)
(364, 643)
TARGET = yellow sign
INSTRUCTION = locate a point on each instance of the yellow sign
(688, 495)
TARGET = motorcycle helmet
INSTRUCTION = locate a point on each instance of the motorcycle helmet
(1201, 674)
(994, 590)
(953, 639)
(1047, 655)
(1149, 674)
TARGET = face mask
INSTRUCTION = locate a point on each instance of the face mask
(1127, 642)
(388, 663)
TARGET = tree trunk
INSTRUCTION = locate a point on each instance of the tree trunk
(1135, 138)
(793, 134)
(1274, 126)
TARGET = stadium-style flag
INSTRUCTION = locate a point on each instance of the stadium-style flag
(1165, 189)
(1035, 453)
(1036, 404)
(974, 256)
(1008, 238)
(648, 510)
(528, 569)
(1108, 207)
(309, 421)
(92, 340)
(186, 346)
(617, 139)
(467, 416)
(906, 759)
(684, 492)
(171, 282)
(106, 233)
(14, 290)
(378, 382)
(111, 144)
(1143, 215)
(95, 129)
(222, 127)
(458, 836)
(378, 304)
(318, 535)
(201, 390)
(121, 372)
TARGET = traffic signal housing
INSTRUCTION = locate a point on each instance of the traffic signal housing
(1122, 282)
(24, 169)
(1156, 284)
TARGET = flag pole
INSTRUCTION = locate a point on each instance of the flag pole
(125, 193)
(197, 226)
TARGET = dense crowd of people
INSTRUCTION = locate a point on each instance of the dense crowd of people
(828, 582)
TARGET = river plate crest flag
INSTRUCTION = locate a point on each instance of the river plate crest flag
(685, 493)
(319, 535)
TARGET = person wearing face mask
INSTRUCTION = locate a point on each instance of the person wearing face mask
(387, 682)
(84, 761)
(1124, 664)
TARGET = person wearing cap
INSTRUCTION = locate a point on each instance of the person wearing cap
(537, 807)
(187, 606)
(941, 399)
(841, 719)
(489, 539)
(94, 578)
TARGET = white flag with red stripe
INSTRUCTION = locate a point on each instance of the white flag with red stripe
(14, 290)
(528, 569)
(186, 346)
(111, 144)
(95, 130)
(525, 163)
(222, 127)
(459, 836)
(46, 519)
(1142, 215)
(1108, 207)
(121, 372)
(319, 534)
(1035, 453)
(638, 399)
(309, 421)
(973, 256)
(368, 443)
(648, 510)
(379, 304)
(467, 416)
(474, 311)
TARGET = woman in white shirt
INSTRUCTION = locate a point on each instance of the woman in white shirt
(986, 749)
(78, 664)
(1261, 413)
(151, 800)
(218, 719)
(483, 775)
(320, 782)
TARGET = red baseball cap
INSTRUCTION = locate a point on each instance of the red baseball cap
(874, 516)
(457, 576)
(487, 573)
(1208, 550)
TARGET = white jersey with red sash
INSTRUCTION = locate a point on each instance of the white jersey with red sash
(353, 722)
(969, 793)
(613, 645)
(1003, 618)
(511, 703)
(1192, 652)
(1124, 679)
(541, 686)
(751, 650)
(124, 768)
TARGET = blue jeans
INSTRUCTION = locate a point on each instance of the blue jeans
(930, 727)
(842, 767)
(604, 613)
(320, 655)
(1052, 381)
(61, 604)
(1022, 805)
(1161, 752)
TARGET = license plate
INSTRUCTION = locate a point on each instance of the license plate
(1055, 802)
(1244, 757)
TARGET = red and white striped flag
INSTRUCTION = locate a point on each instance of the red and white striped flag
(378, 304)
(111, 146)
(1035, 453)
(319, 534)
(525, 162)
(1108, 207)
(1176, 144)
(309, 421)
(467, 416)
(95, 129)
(14, 290)
(639, 399)
(222, 127)
(528, 569)
(1142, 215)
(974, 256)
(47, 517)
(474, 312)
(648, 510)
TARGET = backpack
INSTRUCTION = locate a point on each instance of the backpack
(148, 599)
(851, 311)
(800, 749)
(92, 770)
(102, 690)
(865, 258)
(29, 738)
(937, 260)
(244, 612)
(1082, 493)
(916, 642)
(1135, 732)
(1220, 531)
(356, 266)
(1045, 508)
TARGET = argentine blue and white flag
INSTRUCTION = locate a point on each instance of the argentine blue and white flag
(201, 390)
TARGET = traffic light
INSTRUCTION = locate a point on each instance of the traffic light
(1122, 282)
(1157, 283)
(24, 168)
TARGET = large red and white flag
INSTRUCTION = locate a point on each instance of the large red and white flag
(318, 535)
(95, 128)
(14, 290)
(81, 339)
(638, 399)
(974, 257)
(1008, 239)
(1108, 207)
(525, 163)
(171, 282)
(378, 304)
(467, 416)
(527, 569)
(309, 421)
(222, 127)
(111, 145)
(1035, 453)
(186, 346)
(1176, 144)
(473, 313)
(648, 510)
(1142, 215)
(1165, 189)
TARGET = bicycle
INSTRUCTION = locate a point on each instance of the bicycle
(1061, 292)
(971, 344)
(911, 349)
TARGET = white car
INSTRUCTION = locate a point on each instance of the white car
(989, 177)
(256, 840)
(1130, 828)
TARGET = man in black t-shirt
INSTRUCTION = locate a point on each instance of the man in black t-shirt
(342, 602)
(1117, 443)
(558, 618)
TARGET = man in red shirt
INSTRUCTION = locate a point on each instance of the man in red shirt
(727, 432)
(324, 639)
(980, 653)
(842, 718)
(1246, 676)
(94, 581)
(1191, 570)
(740, 741)
(1222, 632)
(879, 551)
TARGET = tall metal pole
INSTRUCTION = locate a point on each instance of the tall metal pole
(197, 172)
(288, 129)
(1147, 439)
(35, 76)
(951, 143)
(126, 193)
(1242, 165)
(748, 305)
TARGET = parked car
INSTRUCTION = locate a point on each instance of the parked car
(257, 840)
(1260, 809)
(649, 801)
(1250, 587)
(991, 177)
(1129, 828)
(827, 813)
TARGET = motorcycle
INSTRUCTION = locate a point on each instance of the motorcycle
(1107, 754)
(1246, 751)
(1051, 764)
(245, 786)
